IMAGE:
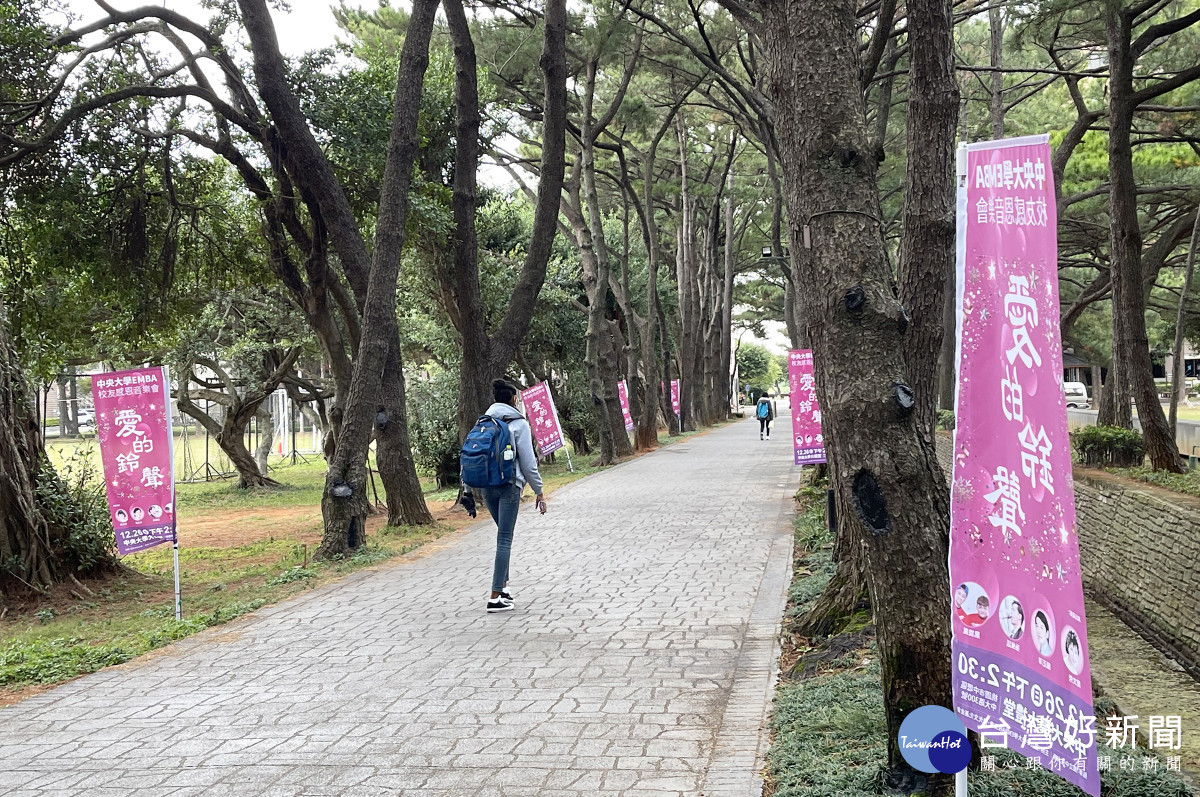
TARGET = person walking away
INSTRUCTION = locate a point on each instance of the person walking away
(498, 460)
(765, 412)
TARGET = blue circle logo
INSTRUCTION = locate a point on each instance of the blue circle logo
(933, 739)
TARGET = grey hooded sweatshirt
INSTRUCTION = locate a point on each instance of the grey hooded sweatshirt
(526, 471)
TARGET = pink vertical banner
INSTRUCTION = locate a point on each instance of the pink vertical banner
(808, 443)
(1020, 649)
(543, 418)
(133, 425)
(623, 396)
(675, 397)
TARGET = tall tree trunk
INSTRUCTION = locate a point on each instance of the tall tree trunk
(1177, 378)
(888, 469)
(1107, 403)
(475, 373)
(26, 536)
(927, 245)
(686, 279)
(344, 502)
(947, 375)
(726, 341)
(64, 408)
(553, 63)
(310, 167)
(996, 61)
(1131, 348)
(610, 374)
(393, 450)
(266, 437)
(795, 333)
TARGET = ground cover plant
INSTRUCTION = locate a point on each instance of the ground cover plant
(828, 734)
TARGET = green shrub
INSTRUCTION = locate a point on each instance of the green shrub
(77, 508)
(1108, 446)
(945, 419)
(433, 424)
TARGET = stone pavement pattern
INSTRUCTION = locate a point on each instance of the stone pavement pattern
(639, 661)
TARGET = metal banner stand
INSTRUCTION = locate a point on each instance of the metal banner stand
(174, 509)
(178, 596)
(960, 784)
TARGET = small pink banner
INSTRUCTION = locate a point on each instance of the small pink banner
(808, 441)
(1020, 649)
(133, 425)
(543, 418)
(623, 395)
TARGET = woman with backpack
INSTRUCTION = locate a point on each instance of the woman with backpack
(498, 460)
(765, 412)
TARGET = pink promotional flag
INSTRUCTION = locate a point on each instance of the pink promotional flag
(133, 425)
(543, 418)
(623, 395)
(808, 442)
(675, 397)
(1020, 649)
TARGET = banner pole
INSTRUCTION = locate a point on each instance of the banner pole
(960, 783)
(166, 374)
(570, 465)
(178, 596)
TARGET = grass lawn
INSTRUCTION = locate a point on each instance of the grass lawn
(239, 550)
(829, 734)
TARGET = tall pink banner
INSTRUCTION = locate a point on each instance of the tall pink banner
(623, 395)
(1020, 649)
(133, 425)
(675, 397)
(543, 418)
(808, 442)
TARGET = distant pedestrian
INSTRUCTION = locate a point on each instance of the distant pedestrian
(498, 460)
(765, 412)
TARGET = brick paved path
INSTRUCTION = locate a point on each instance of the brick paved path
(639, 661)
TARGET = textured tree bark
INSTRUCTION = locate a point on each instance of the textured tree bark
(726, 341)
(1177, 378)
(486, 357)
(238, 406)
(927, 245)
(314, 174)
(553, 63)
(266, 438)
(996, 61)
(647, 423)
(1131, 348)
(393, 451)
(686, 280)
(898, 503)
(475, 374)
(344, 503)
(26, 537)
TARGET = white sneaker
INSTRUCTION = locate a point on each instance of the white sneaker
(499, 605)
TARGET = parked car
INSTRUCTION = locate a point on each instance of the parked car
(86, 419)
(1077, 395)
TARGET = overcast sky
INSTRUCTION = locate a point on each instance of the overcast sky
(309, 24)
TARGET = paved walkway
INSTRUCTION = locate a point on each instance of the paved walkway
(639, 661)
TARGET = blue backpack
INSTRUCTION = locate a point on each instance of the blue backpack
(488, 456)
(764, 409)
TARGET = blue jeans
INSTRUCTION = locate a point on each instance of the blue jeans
(502, 504)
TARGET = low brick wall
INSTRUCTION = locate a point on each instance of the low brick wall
(1140, 553)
